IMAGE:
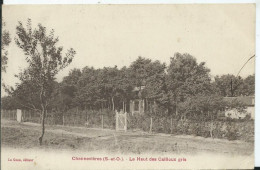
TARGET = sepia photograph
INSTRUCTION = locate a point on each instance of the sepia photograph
(152, 86)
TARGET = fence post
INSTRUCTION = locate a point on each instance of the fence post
(116, 121)
(63, 121)
(171, 125)
(102, 121)
(151, 125)
(125, 122)
(124, 106)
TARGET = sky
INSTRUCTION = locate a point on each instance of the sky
(223, 36)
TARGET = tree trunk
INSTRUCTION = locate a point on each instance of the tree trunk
(43, 125)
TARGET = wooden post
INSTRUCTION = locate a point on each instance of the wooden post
(125, 122)
(139, 105)
(30, 115)
(102, 121)
(116, 121)
(24, 115)
(130, 107)
(63, 120)
(143, 102)
(87, 120)
(113, 104)
(123, 106)
(151, 125)
(171, 125)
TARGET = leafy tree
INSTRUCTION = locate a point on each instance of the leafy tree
(68, 88)
(151, 74)
(87, 88)
(27, 94)
(109, 79)
(228, 85)
(45, 60)
(5, 41)
(186, 78)
(156, 89)
(248, 86)
(103, 88)
(73, 77)
(8, 103)
(122, 88)
(139, 71)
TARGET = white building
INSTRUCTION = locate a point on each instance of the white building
(248, 101)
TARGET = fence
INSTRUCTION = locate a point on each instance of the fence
(73, 117)
(230, 129)
(8, 114)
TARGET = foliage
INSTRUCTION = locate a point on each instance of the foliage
(229, 85)
(248, 86)
(5, 41)
(8, 103)
(186, 78)
(202, 107)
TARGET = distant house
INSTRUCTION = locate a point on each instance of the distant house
(139, 104)
(248, 101)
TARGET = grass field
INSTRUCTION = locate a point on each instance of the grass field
(25, 136)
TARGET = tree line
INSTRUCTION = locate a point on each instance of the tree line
(182, 89)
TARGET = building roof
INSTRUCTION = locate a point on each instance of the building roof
(247, 100)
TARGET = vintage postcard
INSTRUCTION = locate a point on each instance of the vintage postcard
(128, 86)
